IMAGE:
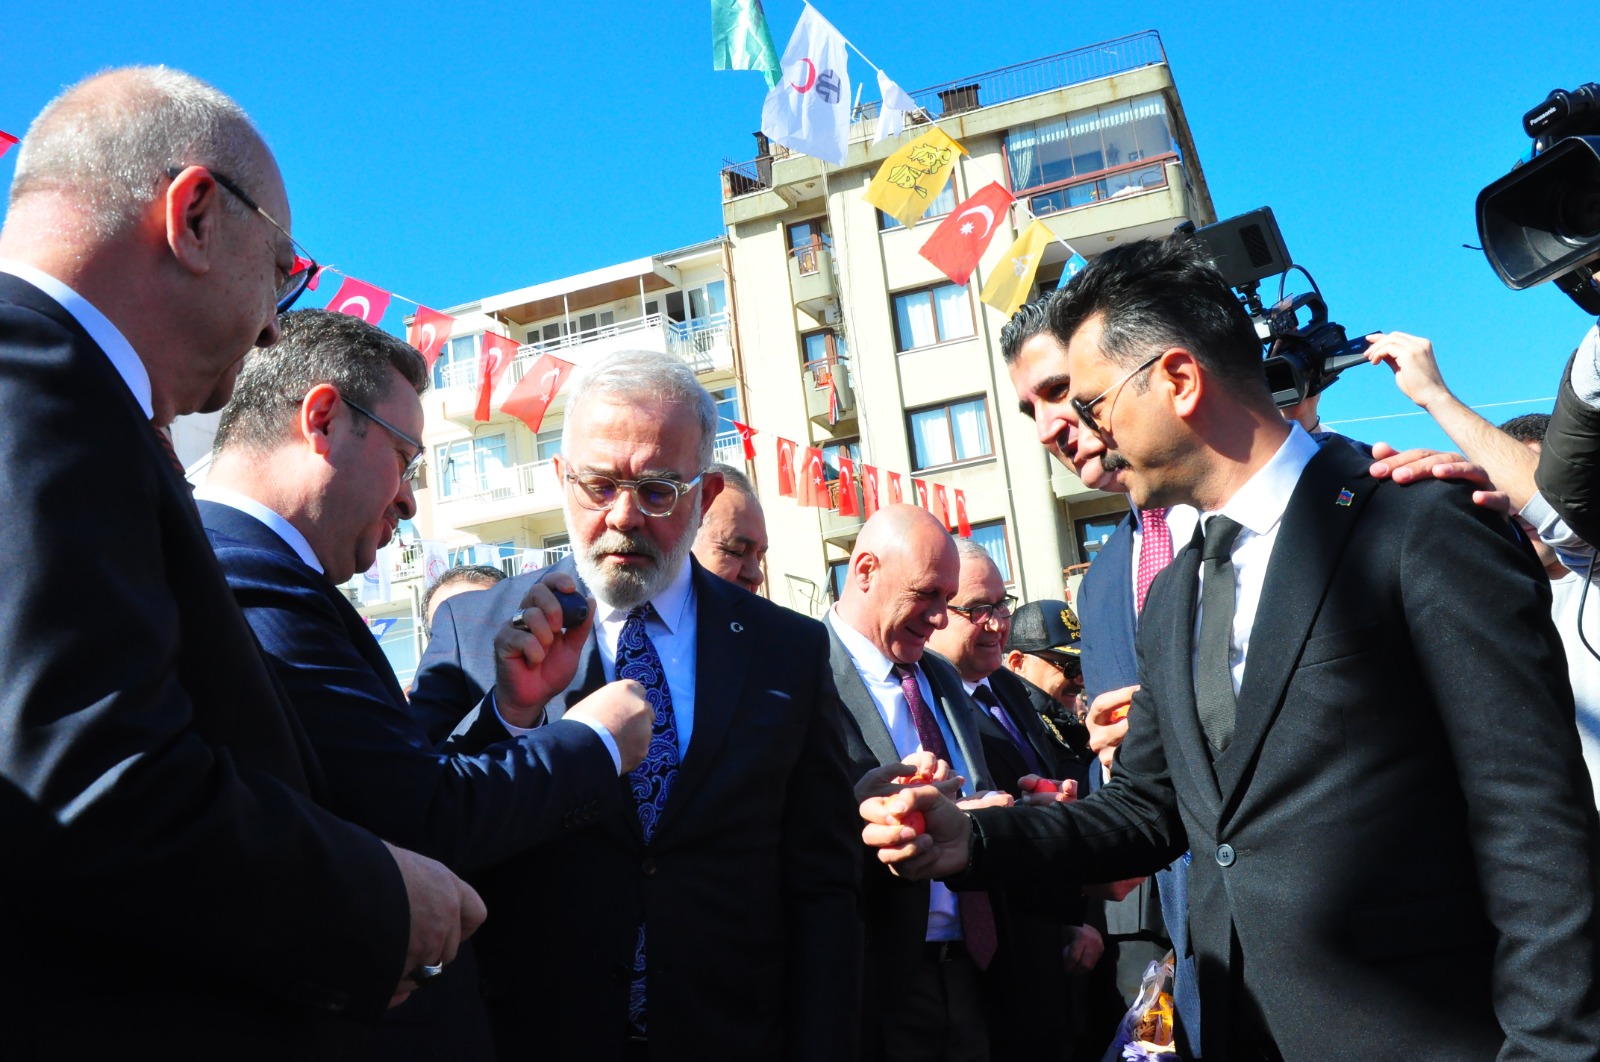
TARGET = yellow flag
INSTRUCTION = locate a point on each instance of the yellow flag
(913, 177)
(1012, 278)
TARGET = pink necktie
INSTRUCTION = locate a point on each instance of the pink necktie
(1155, 551)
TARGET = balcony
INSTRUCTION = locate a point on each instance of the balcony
(811, 277)
(499, 494)
(830, 399)
(728, 449)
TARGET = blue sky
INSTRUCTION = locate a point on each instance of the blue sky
(447, 152)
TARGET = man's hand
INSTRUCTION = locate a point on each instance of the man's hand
(620, 707)
(444, 911)
(989, 798)
(1416, 371)
(943, 850)
(1108, 722)
(920, 768)
(1409, 466)
(1084, 950)
(535, 661)
(1112, 890)
(1037, 790)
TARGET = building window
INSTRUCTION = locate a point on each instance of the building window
(1094, 532)
(1093, 155)
(823, 347)
(932, 315)
(806, 238)
(708, 301)
(728, 447)
(944, 435)
(849, 449)
(942, 204)
(473, 466)
(547, 444)
(992, 537)
(838, 572)
(458, 363)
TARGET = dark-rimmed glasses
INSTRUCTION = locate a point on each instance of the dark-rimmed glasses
(414, 464)
(1085, 410)
(978, 615)
(655, 496)
(305, 267)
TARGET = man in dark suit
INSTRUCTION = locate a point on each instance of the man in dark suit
(1381, 866)
(714, 915)
(172, 887)
(309, 478)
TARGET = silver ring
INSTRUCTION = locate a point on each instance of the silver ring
(423, 974)
(517, 621)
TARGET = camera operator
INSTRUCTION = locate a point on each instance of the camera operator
(1569, 463)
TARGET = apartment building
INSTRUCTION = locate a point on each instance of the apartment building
(855, 344)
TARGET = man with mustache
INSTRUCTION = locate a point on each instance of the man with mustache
(712, 914)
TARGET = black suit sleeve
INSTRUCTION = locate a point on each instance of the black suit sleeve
(127, 816)
(466, 811)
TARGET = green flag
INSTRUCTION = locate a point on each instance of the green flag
(740, 39)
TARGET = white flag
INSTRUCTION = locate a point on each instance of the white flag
(809, 110)
(435, 561)
(892, 111)
(375, 580)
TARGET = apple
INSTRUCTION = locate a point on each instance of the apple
(915, 820)
(1045, 785)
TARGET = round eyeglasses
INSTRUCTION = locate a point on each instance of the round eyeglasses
(655, 496)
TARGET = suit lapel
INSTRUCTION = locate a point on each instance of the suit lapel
(1316, 528)
(960, 713)
(857, 701)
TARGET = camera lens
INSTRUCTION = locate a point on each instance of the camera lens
(1578, 214)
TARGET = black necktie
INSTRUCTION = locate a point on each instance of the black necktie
(1213, 681)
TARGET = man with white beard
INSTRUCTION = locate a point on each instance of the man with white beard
(714, 914)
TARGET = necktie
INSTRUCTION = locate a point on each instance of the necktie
(166, 445)
(985, 696)
(1213, 681)
(977, 916)
(651, 781)
(1155, 551)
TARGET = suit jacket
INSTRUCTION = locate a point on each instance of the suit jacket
(894, 910)
(171, 885)
(748, 886)
(1383, 865)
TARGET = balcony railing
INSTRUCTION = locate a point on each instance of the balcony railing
(1016, 82)
(728, 449)
(1119, 184)
(499, 484)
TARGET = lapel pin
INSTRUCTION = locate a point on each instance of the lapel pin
(1345, 498)
(737, 628)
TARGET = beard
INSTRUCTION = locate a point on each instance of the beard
(626, 587)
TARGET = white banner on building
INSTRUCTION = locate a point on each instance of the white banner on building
(375, 580)
(809, 110)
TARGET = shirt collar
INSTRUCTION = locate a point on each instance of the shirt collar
(110, 339)
(274, 521)
(1260, 503)
(669, 603)
(869, 659)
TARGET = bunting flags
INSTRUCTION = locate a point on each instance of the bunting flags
(533, 394)
(809, 110)
(360, 299)
(747, 436)
(892, 111)
(785, 468)
(869, 491)
(960, 240)
(895, 496)
(847, 487)
(941, 506)
(1073, 267)
(740, 39)
(833, 396)
(494, 358)
(1012, 279)
(429, 332)
(963, 527)
(914, 176)
(6, 140)
(919, 490)
(811, 484)
(300, 263)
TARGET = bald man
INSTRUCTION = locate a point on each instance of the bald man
(732, 540)
(925, 950)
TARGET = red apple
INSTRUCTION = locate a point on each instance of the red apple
(1045, 785)
(915, 820)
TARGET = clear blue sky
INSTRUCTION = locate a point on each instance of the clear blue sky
(447, 152)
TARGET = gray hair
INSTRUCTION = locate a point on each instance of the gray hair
(650, 376)
(108, 141)
(733, 479)
(967, 550)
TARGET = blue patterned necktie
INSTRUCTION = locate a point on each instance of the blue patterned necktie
(651, 781)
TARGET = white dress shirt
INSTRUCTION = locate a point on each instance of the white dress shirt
(272, 519)
(99, 327)
(1258, 508)
(877, 674)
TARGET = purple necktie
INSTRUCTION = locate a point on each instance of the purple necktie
(985, 696)
(977, 916)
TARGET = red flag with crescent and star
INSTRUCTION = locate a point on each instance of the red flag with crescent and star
(533, 394)
(429, 332)
(896, 496)
(811, 485)
(747, 436)
(960, 240)
(360, 299)
(941, 506)
(963, 525)
(785, 468)
(494, 359)
(919, 488)
(869, 491)
(847, 487)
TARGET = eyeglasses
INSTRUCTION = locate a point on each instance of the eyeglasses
(413, 466)
(978, 615)
(655, 497)
(1086, 409)
(305, 267)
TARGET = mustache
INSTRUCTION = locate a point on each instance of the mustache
(1112, 461)
(620, 542)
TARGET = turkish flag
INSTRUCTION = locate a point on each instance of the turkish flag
(963, 526)
(747, 435)
(785, 468)
(6, 140)
(847, 487)
(535, 391)
(429, 332)
(360, 299)
(919, 487)
(869, 491)
(495, 359)
(895, 495)
(960, 240)
(811, 485)
(941, 506)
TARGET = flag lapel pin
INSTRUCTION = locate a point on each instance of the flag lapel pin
(1345, 498)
